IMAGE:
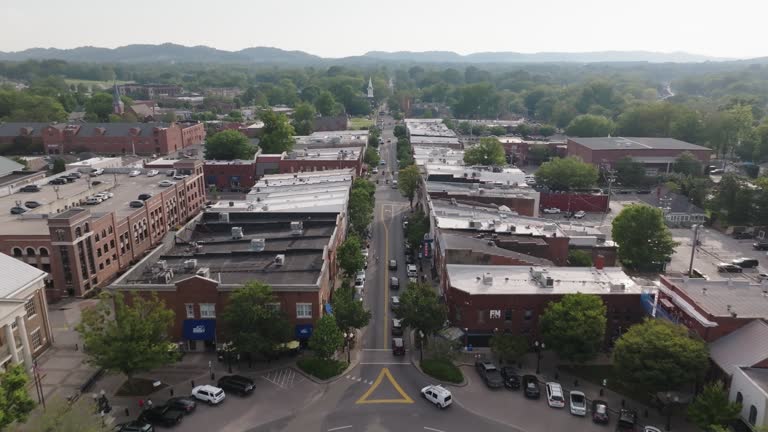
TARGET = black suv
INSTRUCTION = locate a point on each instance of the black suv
(30, 188)
(134, 426)
(761, 245)
(489, 374)
(511, 378)
(746, 262)
(163, 415)
(237, 384)
(531, 387)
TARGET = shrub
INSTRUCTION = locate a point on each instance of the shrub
(442, 369)
(319, 368)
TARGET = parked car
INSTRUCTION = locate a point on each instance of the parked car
(729, 268)
(134, 173)
(182, 403)
(762, 277)
(490, 374)
(136, 204)
(746, 262)
(438, 395)
(761, 245)
(359, 283)
(18, 210)
(393, 264)
(32, 204)
(180, 176)
(580, 214)
(394, 283)
(648, 428)
(237, 384)
(30, 188)
(395, 302)
(96, 182)
(166, 183)
(600, 412)
(555, 398)
(531, 387)
(104, 195)
(208, 393)
(58, 181)
(551, 210)
(375, 170)
(360, 275)
(74, 174)
(152, 173)
(578, 403)
(145, 196)
(135, 426)
(511, 378)
(627, 420)
(93, 200)
(397, 327)
(398, 346)
(96, 172)
(394, 184)
(170, 173)
(743, 235)
(161, 415)
(411, 270)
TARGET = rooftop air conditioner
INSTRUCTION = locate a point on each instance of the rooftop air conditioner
(162, 265)
(204, 272)
(237, 233)
(487, 279)
(280, 260)
(258, 245)
(297, 228)
(190, 264)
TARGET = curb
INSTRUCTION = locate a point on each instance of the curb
(464, 383)
(353, 364)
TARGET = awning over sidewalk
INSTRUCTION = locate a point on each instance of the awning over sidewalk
(200, 329)
(303, 331)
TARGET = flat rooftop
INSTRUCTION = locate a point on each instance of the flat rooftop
(323, 153)
(502, 176)
(34, 221)
(634, 143)
(437, 155)
(500, 280)
(723, 297)
(462, 241)
(478, 189)
(428, 127)
(492, 219)
(352, 138)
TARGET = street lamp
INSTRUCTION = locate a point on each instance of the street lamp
(349, 336)
(539, 348)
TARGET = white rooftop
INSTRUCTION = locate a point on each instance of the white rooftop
(496, 280)
(491, 219)
(428, 127)
(16, 275)
(437, 155)
(506, 176)
(332, 153)
(93, 161)
(724, 298)
(353, 138)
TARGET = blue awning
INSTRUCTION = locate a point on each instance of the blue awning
(303, 331)
(200, 329)
(328, 309)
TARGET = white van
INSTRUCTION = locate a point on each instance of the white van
(555, 397)
(412, 270)
(438, 395)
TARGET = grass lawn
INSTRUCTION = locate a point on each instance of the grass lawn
(323, 369)
(596, 373)
(360, 123)
(91, 83)
(442, 369)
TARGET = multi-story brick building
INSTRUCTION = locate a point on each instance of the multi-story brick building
(84, 246)
(149, 91)
(121, 138)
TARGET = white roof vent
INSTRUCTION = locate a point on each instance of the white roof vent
(618, 287)
(237, 233)
(204, 272)
(297, 228)
(258, 245)
(487, 279)
(280, 260)
(224, 217)
(190, 264)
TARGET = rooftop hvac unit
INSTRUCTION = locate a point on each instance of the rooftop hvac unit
(258, 245)
(547, 282)
(487, 279)
(618, 287)
(204, 272)
(190, 264)
(237, 233)
(162, 265)
(165, 277)
(224, 217)
(280, 260)
(297, 228)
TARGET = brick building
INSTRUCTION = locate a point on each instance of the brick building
(523, 201)
(524, 152)
(657, 154)
(487, 299)
(25, 330)
(21, 137)
(121, 138)
(86, 246)
(149, 91)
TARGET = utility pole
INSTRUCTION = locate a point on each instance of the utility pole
(693, 248)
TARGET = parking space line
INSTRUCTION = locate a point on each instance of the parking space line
(339, 428)
(432, 429)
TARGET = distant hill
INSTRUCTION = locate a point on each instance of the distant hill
(173, 53)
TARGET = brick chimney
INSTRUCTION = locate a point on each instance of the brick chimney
(599, 262)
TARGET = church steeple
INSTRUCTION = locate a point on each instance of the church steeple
(117, 104)
(370, 87)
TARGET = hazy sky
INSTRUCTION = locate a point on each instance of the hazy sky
(336, 28)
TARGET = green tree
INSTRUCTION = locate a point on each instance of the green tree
(566, 173)
(326, 104)
(589, 125)
(508, 347)
(253, 324)
(713, 408)
(579, 258)
(99, 107)
(637, 354)
(418, 226)
(400, 131)
(642, 236)
(228, 145)
(59, 165)
(169, 117)
(348, 312)
(303, 118)
(326, 338)
(350, 256)
(371, 157)
(277, 135)
(132, 339)
(15, 403)
(538, 154)
(421, 310)
(574, 327)
(630, 172)
(488, 151)
(360, 210)
(687, 164)
(61, 416)
(408, 182)
(547, 130)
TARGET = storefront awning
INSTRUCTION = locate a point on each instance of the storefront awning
(200, 329)
(303, 331)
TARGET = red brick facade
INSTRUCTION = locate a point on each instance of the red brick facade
(118, 138)
(610, 156)
(575, 201)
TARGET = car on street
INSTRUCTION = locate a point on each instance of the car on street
(161, 415)
(360, 275)
(32, 204)
(651, 429)
(209, 394)
(395, 302)
(58, 181)
(762, 277)
(394, 184)
(555, 398)
(152, 173)
(437, 394)
(578, 403)
(531, 387)
(490, 374)
(393, 264)
(359, 283)
(182, 403)
(93, 200)
(382, 163)
(104, 195)
(510, 377)
(135, 426)
(729, 268)
(627, 420)
(166, 183)
(237, 384)
(397, 327)
(600, 412)
(134, 173)
(74, 174)
(551, 210)
(580, 214)
(375, 170)
(145, 196)
(18, 210)
(180, 176)
(96, 172)
(30, 188)
(394, 283)
(761, 245)
(398, 346)
(746, 262)
(743, 235)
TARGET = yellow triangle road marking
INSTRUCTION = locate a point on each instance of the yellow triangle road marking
(405, 399)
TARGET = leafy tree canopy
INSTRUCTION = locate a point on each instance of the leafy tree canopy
(488, 151)
(408, 181)
(326, 338)
(15, 403)
(277, 136)
(589, 125)
(508, 347)
(350, 256)
(642, 236)
(566, 173)
(228, 145)
(713, 408)
(575, 326)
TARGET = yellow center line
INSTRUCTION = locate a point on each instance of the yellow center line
(386, 276)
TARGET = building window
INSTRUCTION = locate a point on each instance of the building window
(60, 234)
(303, 310)
(43, 251)
(35, 339)
(17, 252)
(752, 415)
(109, 229)
(508, 315)
(31, 251)
(30, 308)
(207, 310)
(78, 232)
(739, 397)
(190, 310)
(481, 316)
(97, 237)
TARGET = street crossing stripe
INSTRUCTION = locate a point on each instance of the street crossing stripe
(405, 399)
